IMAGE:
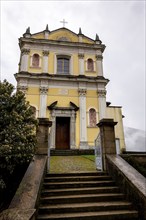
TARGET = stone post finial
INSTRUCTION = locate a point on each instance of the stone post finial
(47, 28)
(27, 34)
(80, 31)
(28, 30)
(97, 40)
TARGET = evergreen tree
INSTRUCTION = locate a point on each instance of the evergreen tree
(17, 130)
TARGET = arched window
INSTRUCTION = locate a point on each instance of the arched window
(63, 65)
(35, 60)
(92, 117)
(90, 65)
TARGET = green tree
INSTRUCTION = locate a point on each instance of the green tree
(17, 130)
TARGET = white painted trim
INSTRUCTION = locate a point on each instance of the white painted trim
(94, 65)
(43, 105)
(99, 67)
(45, 64)
(63, 53)
(24, 62)
(40, 61)
(83, 122)
(102, 107)
(97, 115)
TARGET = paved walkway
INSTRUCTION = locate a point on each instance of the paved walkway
(68, 164)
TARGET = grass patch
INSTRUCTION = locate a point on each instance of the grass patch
(90, 157)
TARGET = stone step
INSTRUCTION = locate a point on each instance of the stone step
(78, 184)
(101, 215)
(77, 191)
(85, 195)
(82, 198)
(71, 152)
(97, 173)
(76, 178)
(85, 207)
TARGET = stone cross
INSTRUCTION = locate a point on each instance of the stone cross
(64, 22)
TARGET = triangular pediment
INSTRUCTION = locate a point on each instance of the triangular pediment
(62, 34)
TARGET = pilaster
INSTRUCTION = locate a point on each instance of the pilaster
(43, 101)
(24, 59)
(99, 59)
(23, 85)
(102, 103)
(81, 63)
(83, 123)
(45, 61)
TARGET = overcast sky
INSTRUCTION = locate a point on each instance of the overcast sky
(119, 24)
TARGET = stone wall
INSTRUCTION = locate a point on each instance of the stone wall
(132, 183)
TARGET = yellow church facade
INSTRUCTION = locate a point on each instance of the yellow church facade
(61, 74)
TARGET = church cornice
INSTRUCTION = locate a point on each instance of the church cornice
(57, 77)
(80, 45)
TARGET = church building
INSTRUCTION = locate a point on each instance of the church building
(61, 74)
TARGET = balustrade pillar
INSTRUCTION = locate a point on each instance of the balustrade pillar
(107, 134)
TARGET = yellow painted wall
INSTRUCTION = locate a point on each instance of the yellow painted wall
(33, 97)
(64, 101)
(35, 69)
(55, 35)
(38, 35)
(63, 33)
(116, 114)
(75, 64)
(92, 134)
(51, 62)
(91, 99)
(87, 40)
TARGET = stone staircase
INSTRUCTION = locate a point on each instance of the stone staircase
(85, 196)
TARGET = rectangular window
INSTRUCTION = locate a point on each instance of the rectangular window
(63, 65)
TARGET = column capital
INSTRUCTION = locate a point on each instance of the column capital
(99, 57)
(101, 93)
(45, 52)
(43, 90)
(25, 51)
(82, 92)
(81, 55)
(22, 88)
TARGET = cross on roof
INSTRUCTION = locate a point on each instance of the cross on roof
(64, 22)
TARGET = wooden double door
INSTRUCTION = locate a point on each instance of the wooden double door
(62, 133)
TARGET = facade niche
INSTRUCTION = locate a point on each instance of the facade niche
(35, 60)
(92, 117)
(90, 65)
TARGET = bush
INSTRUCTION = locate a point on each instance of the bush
(17, 131)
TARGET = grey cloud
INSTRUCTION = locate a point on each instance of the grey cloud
(119, 24)
(135, 139)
